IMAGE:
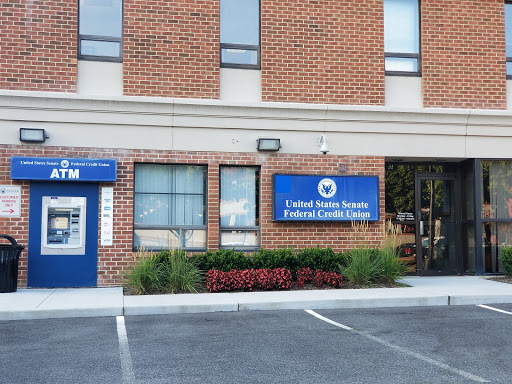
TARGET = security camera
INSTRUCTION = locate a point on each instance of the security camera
(324, 148)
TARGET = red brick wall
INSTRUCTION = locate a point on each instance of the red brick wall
(327, 51)
(463, 49)
(114, 259)
(16, 227)
(312, 51)
(171, 48)
(38, 44)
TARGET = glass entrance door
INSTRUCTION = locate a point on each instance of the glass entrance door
(436, 238)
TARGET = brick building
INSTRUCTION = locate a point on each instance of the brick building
(145, 119)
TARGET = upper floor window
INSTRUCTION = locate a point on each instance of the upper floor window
(240, 33)
(508, 37)
(402, 37)
(170, 207)
(239, 208)
(100, 30)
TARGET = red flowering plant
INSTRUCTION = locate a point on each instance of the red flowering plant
(277, 278)
(318, 278)
(304, 276)
(282, 278)
(263, 279)
(267, 279)
(333, 279)
(216, 281)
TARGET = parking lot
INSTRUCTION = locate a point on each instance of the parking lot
(388, 345)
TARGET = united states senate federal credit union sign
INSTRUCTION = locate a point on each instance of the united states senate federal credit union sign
(63, 169)
(325, 198)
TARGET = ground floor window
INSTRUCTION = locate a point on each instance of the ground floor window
(239, 207)
(170, 207)
(496, 211)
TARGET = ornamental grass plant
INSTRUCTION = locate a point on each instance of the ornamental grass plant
(365, 266)
(391, 268)
(362, 267)
(146, 275)
(369, 266)
(181, 274)
(164, 272)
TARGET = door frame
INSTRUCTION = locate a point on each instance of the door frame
(455, 177)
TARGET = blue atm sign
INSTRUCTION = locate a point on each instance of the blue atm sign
(63, 169)
(325, 198)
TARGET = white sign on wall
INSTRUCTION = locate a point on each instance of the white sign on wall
(107, 216)
(10, 201)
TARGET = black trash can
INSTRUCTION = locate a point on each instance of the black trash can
(9, 257)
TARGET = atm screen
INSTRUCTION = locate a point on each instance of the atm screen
(63, 229)
(59, 222)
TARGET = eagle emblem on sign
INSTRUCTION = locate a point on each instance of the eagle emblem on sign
(327, 188)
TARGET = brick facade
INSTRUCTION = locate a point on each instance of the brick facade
(311, 52)
(316, 52)
(114, 259)
(38, 45)
(463, 54)
(171, 49)
(322, 51)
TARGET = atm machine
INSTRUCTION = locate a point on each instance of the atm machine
(63, 225)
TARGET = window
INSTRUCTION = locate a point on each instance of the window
(496, 211)
(170, 207)
(508, 37)
(239, 208)
(402, 37)
(240, 34)
(100, 30)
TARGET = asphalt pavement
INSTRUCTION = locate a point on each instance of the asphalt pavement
(97, 302)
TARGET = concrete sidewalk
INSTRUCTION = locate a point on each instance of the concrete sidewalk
(92, 302)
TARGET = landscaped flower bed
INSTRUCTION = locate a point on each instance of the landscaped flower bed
(267, 279)
(228, 270)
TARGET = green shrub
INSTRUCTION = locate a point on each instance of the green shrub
(363, 267)
(324, 259)
(275, 258)
(223, 260)
(506, 260)
(147, 275)
(200, 260)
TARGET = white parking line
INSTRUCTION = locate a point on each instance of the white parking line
(124, 352)
(495, 309)
(419, 356)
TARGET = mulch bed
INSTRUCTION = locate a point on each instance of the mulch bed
(500, 279)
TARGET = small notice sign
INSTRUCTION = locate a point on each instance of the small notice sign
(403, 216)
(107, 220)
(10, 201)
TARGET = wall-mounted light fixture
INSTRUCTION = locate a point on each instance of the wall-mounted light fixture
(322, 143)
(269, 144)
(33, 135)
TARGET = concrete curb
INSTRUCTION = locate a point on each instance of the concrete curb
(267, 301)
(183, 303)
(468, 299)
